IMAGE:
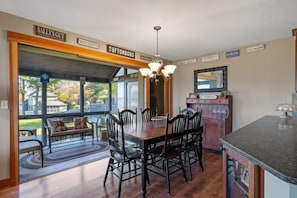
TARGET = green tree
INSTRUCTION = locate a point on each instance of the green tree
(69, 93)
(22, 91)
(96, 92)
(52, 86)
(34, 84)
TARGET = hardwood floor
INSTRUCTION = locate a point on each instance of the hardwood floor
(87, 181)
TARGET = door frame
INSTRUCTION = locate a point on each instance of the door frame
(294, 33)
(17, 38)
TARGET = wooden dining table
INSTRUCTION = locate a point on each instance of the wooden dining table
(145, 134)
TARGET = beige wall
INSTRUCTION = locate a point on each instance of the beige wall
(4, 113)
(258, 81)
(20, 25)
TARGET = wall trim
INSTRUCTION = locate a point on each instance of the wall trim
(294, 33)
(83, 52)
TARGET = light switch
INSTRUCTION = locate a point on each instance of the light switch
(4, 104)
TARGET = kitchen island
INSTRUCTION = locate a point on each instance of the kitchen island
(260, 159)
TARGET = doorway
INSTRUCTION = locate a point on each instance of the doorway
(15, 39)
(84, 90)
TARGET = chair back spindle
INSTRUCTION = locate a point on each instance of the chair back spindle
(128, 116)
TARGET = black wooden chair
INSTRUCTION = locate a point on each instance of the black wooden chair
(192, 141)
(128, 116)
(28, 142)
(147, 114)
(188, 112)
(169, 155)
(120, 155)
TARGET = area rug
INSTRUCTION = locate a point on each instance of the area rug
(62, 158)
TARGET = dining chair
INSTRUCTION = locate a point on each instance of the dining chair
(28, 142)
(169, 155)
(187, 111)
(147, 114)
(120, 155)
(192, 141)
(128, 116)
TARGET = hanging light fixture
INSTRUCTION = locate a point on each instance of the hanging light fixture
(286, 108)
(156, 68)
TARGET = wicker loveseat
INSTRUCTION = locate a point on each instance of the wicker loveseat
(57, 128)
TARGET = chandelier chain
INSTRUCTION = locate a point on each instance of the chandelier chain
(157, 28)
(157, 52)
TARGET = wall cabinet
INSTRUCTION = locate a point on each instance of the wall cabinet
(216, 119)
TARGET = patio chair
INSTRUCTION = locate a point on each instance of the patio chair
(28, 142)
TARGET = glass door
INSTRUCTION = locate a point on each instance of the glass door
(125, 90)
(132, 95)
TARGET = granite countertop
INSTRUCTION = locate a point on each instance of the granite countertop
(269, 142)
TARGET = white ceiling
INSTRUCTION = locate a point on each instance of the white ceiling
(189, 27)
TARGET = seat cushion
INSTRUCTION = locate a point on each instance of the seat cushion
(30, 144)
(71, 132)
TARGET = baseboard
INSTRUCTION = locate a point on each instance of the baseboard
(4, 183)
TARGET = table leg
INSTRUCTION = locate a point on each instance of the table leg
(200, 151)
(96, 130)
(144, 170)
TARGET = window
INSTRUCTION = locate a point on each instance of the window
(118, 96)
(121, 72)
(132, 94)
(125, 90)
(30, 101)
(63, 96)
(96, 97)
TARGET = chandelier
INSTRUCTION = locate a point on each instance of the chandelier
(156, 68)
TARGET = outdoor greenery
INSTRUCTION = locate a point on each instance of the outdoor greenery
(67, 92)
(31, 124)
(36, 124)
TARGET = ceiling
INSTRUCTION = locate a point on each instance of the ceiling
(189, 27)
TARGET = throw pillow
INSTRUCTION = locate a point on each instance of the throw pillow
(56, 125)
(80, 123)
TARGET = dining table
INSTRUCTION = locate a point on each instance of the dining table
(144, 134)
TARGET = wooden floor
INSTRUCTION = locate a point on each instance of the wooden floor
(87, 181)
